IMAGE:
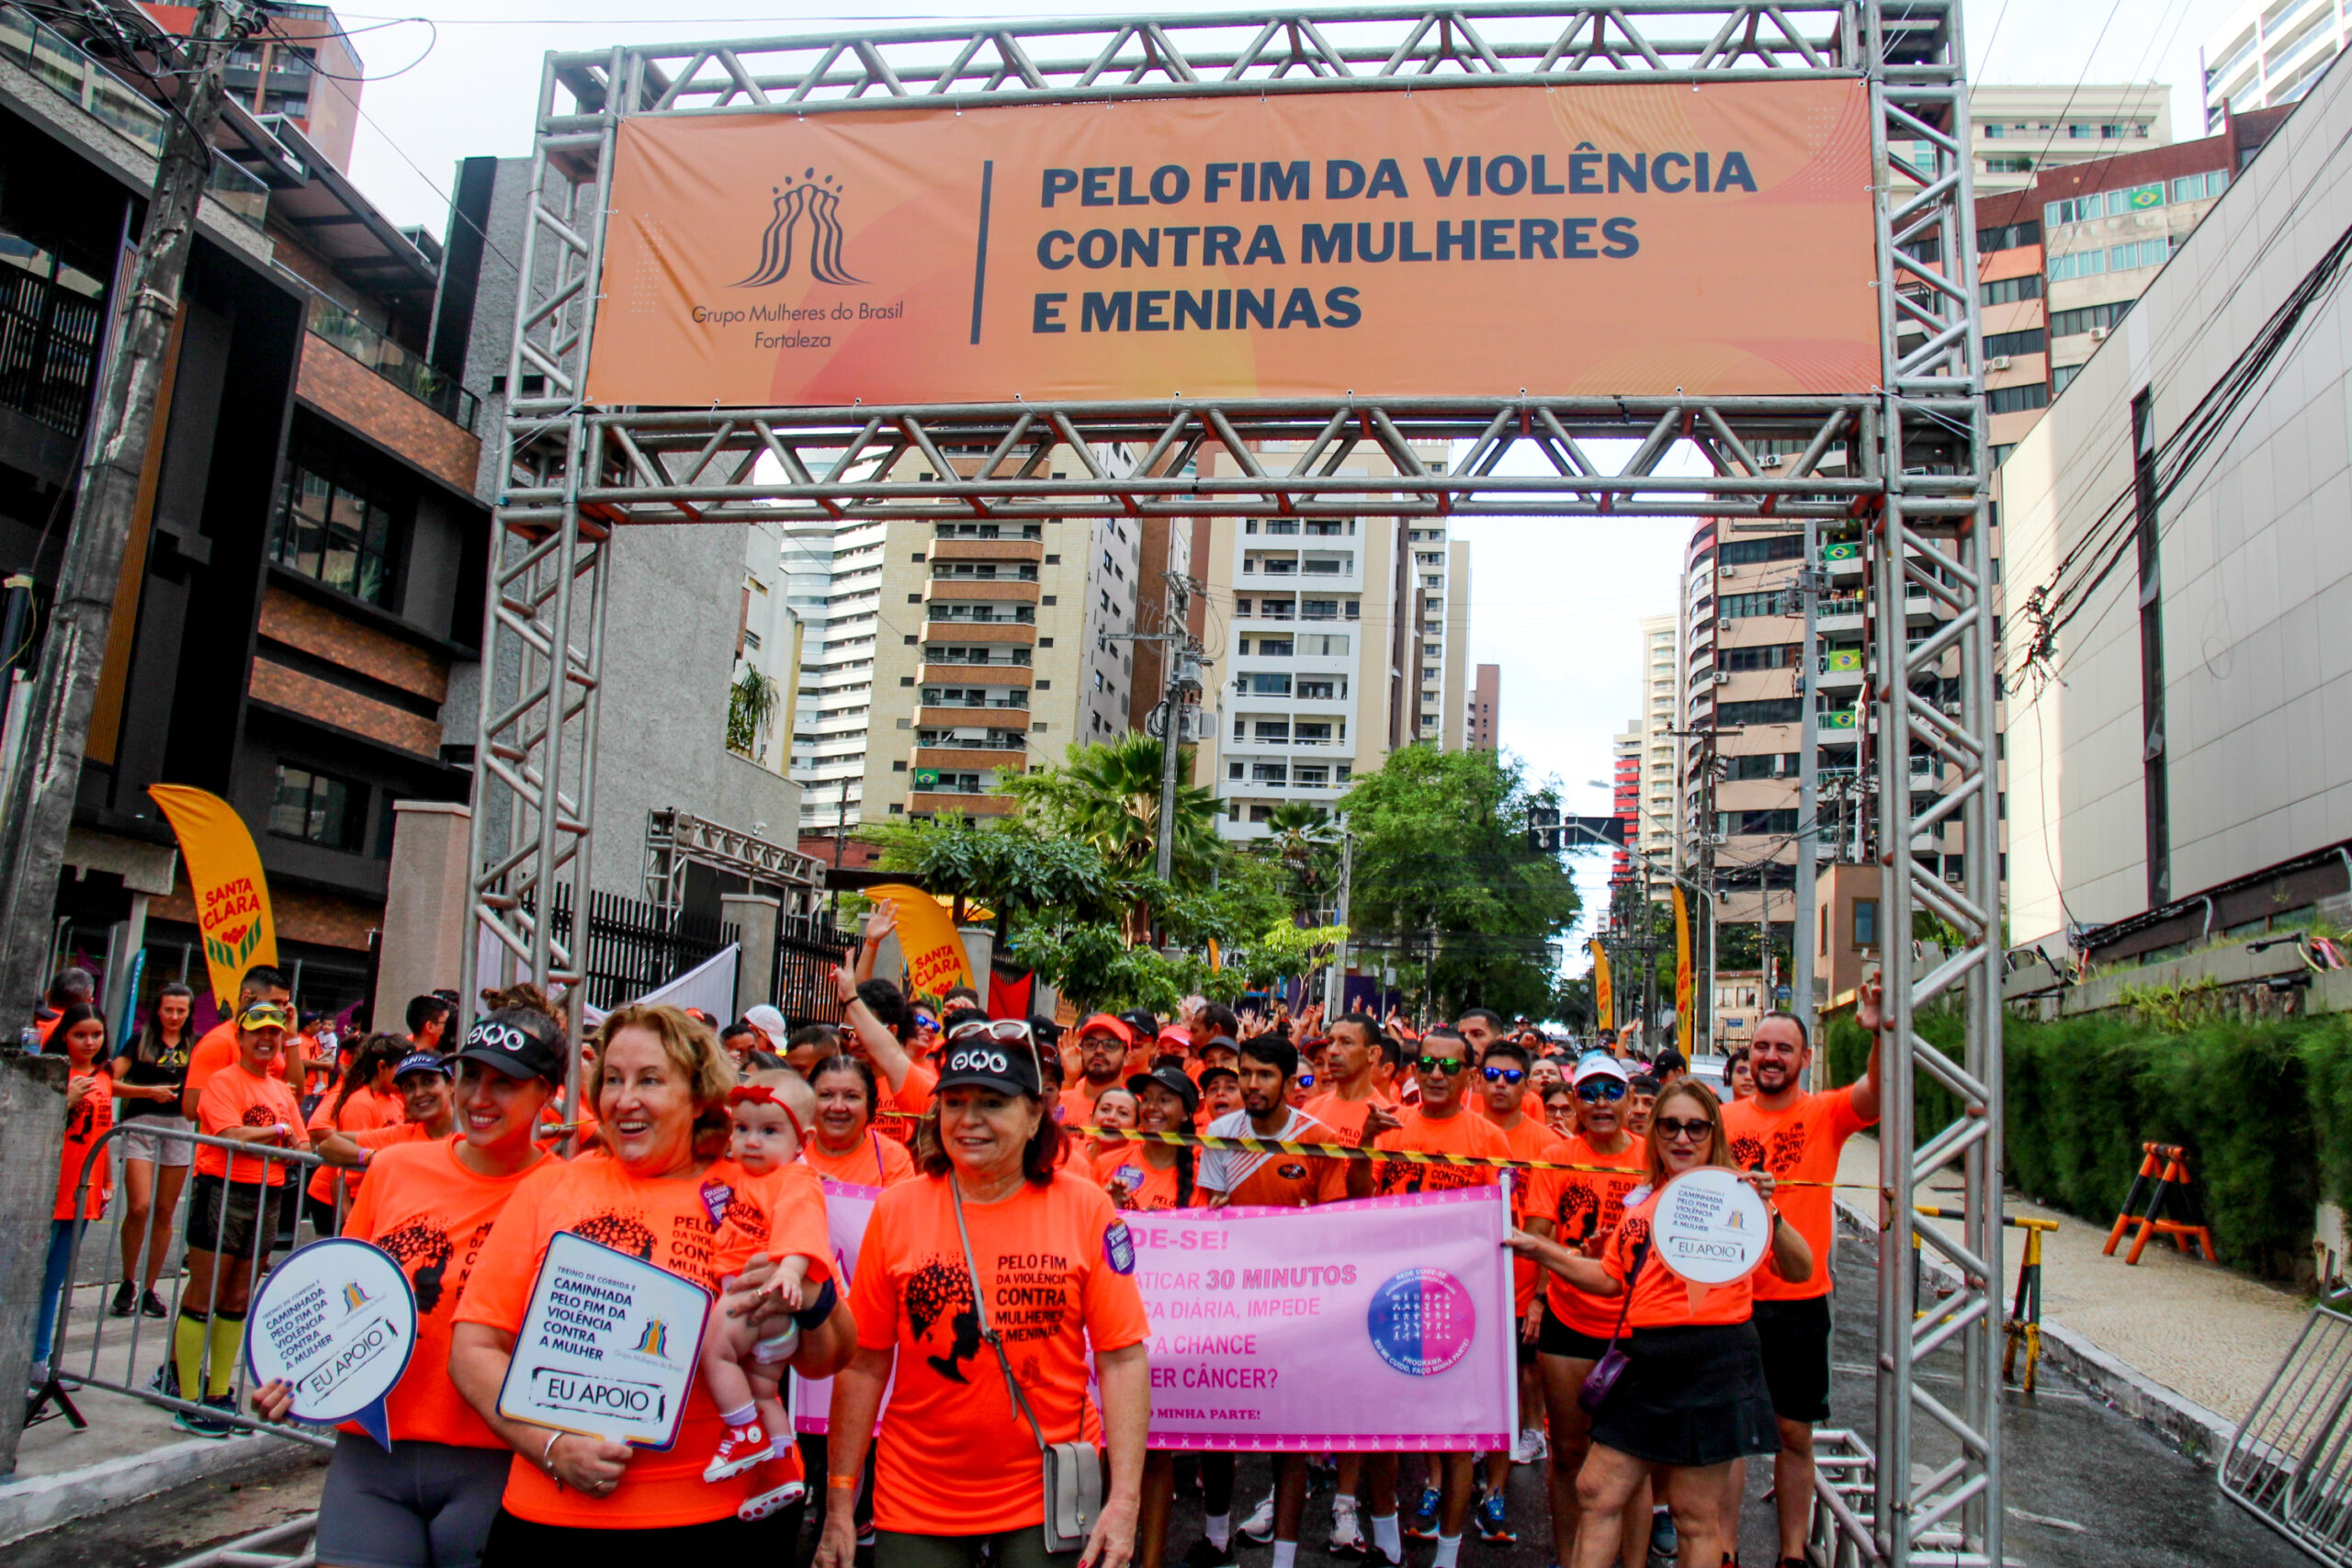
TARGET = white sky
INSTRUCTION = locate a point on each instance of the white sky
(1557, 603)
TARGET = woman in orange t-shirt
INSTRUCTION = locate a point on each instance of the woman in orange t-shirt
(958, 1467)
(363, 1102)
(657, 1187)
(431, 1202)
(844, 1146)
(1154, 1175)
(1691, 1400)
(89, 1114)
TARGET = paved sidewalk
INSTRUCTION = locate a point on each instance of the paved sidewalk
(2206, 1338)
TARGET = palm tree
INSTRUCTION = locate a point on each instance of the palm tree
(1109, 795)
(1303, 837)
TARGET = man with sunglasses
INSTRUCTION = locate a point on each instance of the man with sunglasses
(1104, 1044)
(1797, 1137)
(1442, 1122)
(1503, 1088)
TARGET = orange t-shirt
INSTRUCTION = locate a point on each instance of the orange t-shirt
(1530, 1104)
(876, 1161)
(237, 1099)
(1532, 1139)
(913, 1097)
(1148, 1187)
(85, 1126)
(1801, 1143)
(1585, 1208)
(432, 1215)
(1661, 1299)
(1275, 1181)
(1345, 1117)
(789, 1202)
(1464, 1133)
(1057, 1270)
(365, 1112)
(1077, 1103)
(667, 1223)
(217, 1050)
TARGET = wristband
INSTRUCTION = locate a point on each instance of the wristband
(365, 1155)
(842, 1483)
(821, 1306)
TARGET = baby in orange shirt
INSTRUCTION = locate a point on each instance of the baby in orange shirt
(771, 1112)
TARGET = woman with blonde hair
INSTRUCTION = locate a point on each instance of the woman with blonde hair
(1691, 1401)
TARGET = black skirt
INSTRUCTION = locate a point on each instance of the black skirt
(1692, 1397)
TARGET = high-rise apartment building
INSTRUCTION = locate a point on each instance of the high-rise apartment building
(1335, 641)
(1486, 706)
(2018, 132)
(943, 657)
(2269, 52)
(1625, 799)
(1661, 717)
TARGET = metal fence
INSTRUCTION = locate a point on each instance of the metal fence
(92, 1349)
(2290, 1461)
(632, 947)
(807, 947)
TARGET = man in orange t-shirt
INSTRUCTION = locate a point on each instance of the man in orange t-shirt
(218, 1049)
(1797, 1137)
(1442, 1122)
(1105, 1042)
(1502, 1091)
(1357, 1060)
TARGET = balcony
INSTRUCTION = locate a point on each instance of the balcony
(1005, 674)
(1011, 633)
(54, 60)
(1840, 667)
(976, 803)
(1838, 726)
(1843, 560)
(1840, 613)
(1031, 550)
(965, 589)
(952, 715)
(403, 367)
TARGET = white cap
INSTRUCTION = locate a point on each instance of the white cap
(1601, 1064)
(770, 1023)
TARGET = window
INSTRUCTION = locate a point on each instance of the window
(1272, 731)
(1233, 770)
(1269, 772)
(2060, 376)
(2017, 399)
(2069, 324)
(1766, 710)
(2007, 165)
(2077, 264)
(1762, 765)
(1320, 691)
(50, 324)
(2008, 237)
(2034, 340)
(1312, 732)
(2197, 188)
(1739, 606)
(2142, 253)
(1865, 922)
(1782, 820)
(318, 808)
(335, 524)
(2010, 290)
(1753, 552)
(1324, 645)
(1272, 647)
(1263, 684)
(1771, 656)
(1312, 609)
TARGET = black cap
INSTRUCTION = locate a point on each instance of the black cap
(1143, 1020)
(1208, 1073)
(522, 1043)
(1174, 1080)
(1005, 1065)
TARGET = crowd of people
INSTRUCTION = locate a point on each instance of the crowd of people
(989, 1391)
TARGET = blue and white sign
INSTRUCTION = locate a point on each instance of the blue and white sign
(609, 1347)
(338, 1322)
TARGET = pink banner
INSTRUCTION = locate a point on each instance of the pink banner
(1383, 1326)
(847, 1209)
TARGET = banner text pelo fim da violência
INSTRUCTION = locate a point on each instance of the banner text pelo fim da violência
(1520, 236)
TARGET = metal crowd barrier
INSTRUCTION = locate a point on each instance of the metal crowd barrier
(117, 1372)
(2290, 1463)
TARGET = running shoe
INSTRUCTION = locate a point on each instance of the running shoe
(1421, 1523)
(1666, 1543)
(1347, 1533)
(1532, 1448)
(775, 1484)
(1488, 1517)
(153, 1305)
(739, 1449)
(1258, 1528)
(1204, 1554)
(226, 1404)
(197, 1426)
(125, 1296)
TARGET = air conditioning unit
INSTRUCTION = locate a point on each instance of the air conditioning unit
(1773, 461)
(1999, 362)
(2098, 335)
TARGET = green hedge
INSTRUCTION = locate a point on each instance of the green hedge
(2265, 1110)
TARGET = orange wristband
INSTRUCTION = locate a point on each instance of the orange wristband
(843, 1482)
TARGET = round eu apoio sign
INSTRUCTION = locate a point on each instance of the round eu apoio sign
(337, 1321)
(1710, 1227)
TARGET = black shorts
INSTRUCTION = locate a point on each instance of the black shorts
(1692, 1397)
(233, 1221)
(1559, 1339)
(1796, 1357)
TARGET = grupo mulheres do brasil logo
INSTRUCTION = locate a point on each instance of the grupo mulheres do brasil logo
(1421, 1320)
(807, 207)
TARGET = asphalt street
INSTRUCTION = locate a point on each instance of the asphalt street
(2087, 1487)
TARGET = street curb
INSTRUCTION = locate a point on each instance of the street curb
(2200, 1433)
(44, 1502)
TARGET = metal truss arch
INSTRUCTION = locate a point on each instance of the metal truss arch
(1901, 464)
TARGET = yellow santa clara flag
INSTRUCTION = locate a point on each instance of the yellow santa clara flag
(927, 938)
(224, 877)
(1605, 1004)
(1682, 1010)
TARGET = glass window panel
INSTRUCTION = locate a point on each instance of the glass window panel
(290, 808)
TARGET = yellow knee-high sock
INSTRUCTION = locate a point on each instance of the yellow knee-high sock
(187, 1352)
(228, 1338)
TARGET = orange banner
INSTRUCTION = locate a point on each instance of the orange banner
(927, 938)
(225, 879)
(1618, 238)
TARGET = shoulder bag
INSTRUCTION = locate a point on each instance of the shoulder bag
(1611, 1366)
(1073, 1470)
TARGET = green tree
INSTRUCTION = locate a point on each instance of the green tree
(1305, 841)
(1445, 879)
(1108, 794)
(1010, 869)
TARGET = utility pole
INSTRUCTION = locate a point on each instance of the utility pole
(39, 807)
(1335, 991)
(40, 804)
(1183, 663)
(1801, 934)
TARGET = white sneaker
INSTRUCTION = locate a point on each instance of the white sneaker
(1347, 1535)
(1531, 1448)
(1258, 1528)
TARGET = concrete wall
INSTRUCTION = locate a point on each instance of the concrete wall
(2256, 564)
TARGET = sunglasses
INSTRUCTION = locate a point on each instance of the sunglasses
(1449, 1065)
(1504, 1075)
(1305, 1080)
(1674, 1128)
(1601, 1088)
(989, 1028)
